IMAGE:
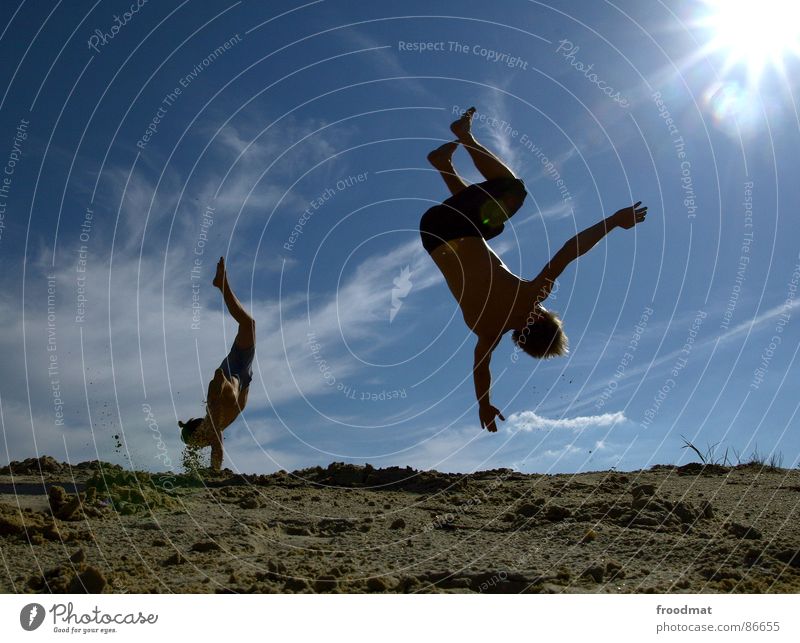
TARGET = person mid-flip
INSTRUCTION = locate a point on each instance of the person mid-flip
(493, 300)
(227, 392)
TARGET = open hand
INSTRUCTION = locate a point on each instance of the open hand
(629, 217)
(487, 413)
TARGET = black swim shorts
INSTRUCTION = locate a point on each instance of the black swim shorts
(460, 215)
(239, 362)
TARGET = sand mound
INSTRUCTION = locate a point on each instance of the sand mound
(47, 465)
(32, 466)
(76, 577)
(26, 525)
(80, 506)
(130, 492)
(339, 474)
(350, 528)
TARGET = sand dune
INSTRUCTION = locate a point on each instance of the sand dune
(345, 528)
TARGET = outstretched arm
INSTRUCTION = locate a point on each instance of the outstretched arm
(216, 451)
(483, 383)
(584, 241)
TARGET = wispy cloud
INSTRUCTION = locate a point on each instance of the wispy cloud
(497, 140)
(137, 345)
(654, 367)
(256, 162)
(159, 361)
(386, 60)
(757, 323)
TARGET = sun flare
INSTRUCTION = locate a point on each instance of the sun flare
(753, 33)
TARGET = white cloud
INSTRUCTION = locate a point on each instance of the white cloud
(530, 421)
(566, 450)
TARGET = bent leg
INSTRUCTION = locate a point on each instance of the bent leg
(442, 159)
(485, 162)
(246, 337)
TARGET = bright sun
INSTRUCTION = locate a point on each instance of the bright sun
(753, 33)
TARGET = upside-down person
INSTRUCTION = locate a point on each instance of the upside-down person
(493, 300)
(227, 391)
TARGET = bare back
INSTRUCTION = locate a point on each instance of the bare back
(493, 300)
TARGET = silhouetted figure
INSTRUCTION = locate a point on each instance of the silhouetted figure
(227, 392)
(493, 300)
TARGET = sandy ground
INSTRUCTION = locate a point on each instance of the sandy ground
(358, 529)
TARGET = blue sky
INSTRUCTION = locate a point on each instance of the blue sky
(316, 118)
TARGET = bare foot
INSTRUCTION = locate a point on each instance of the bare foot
(219, 278)
(462, 127)
(442, 157)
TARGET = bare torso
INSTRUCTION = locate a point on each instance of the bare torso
(493, 300)
(225, 400)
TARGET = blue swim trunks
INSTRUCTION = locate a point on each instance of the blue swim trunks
(239, 362)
